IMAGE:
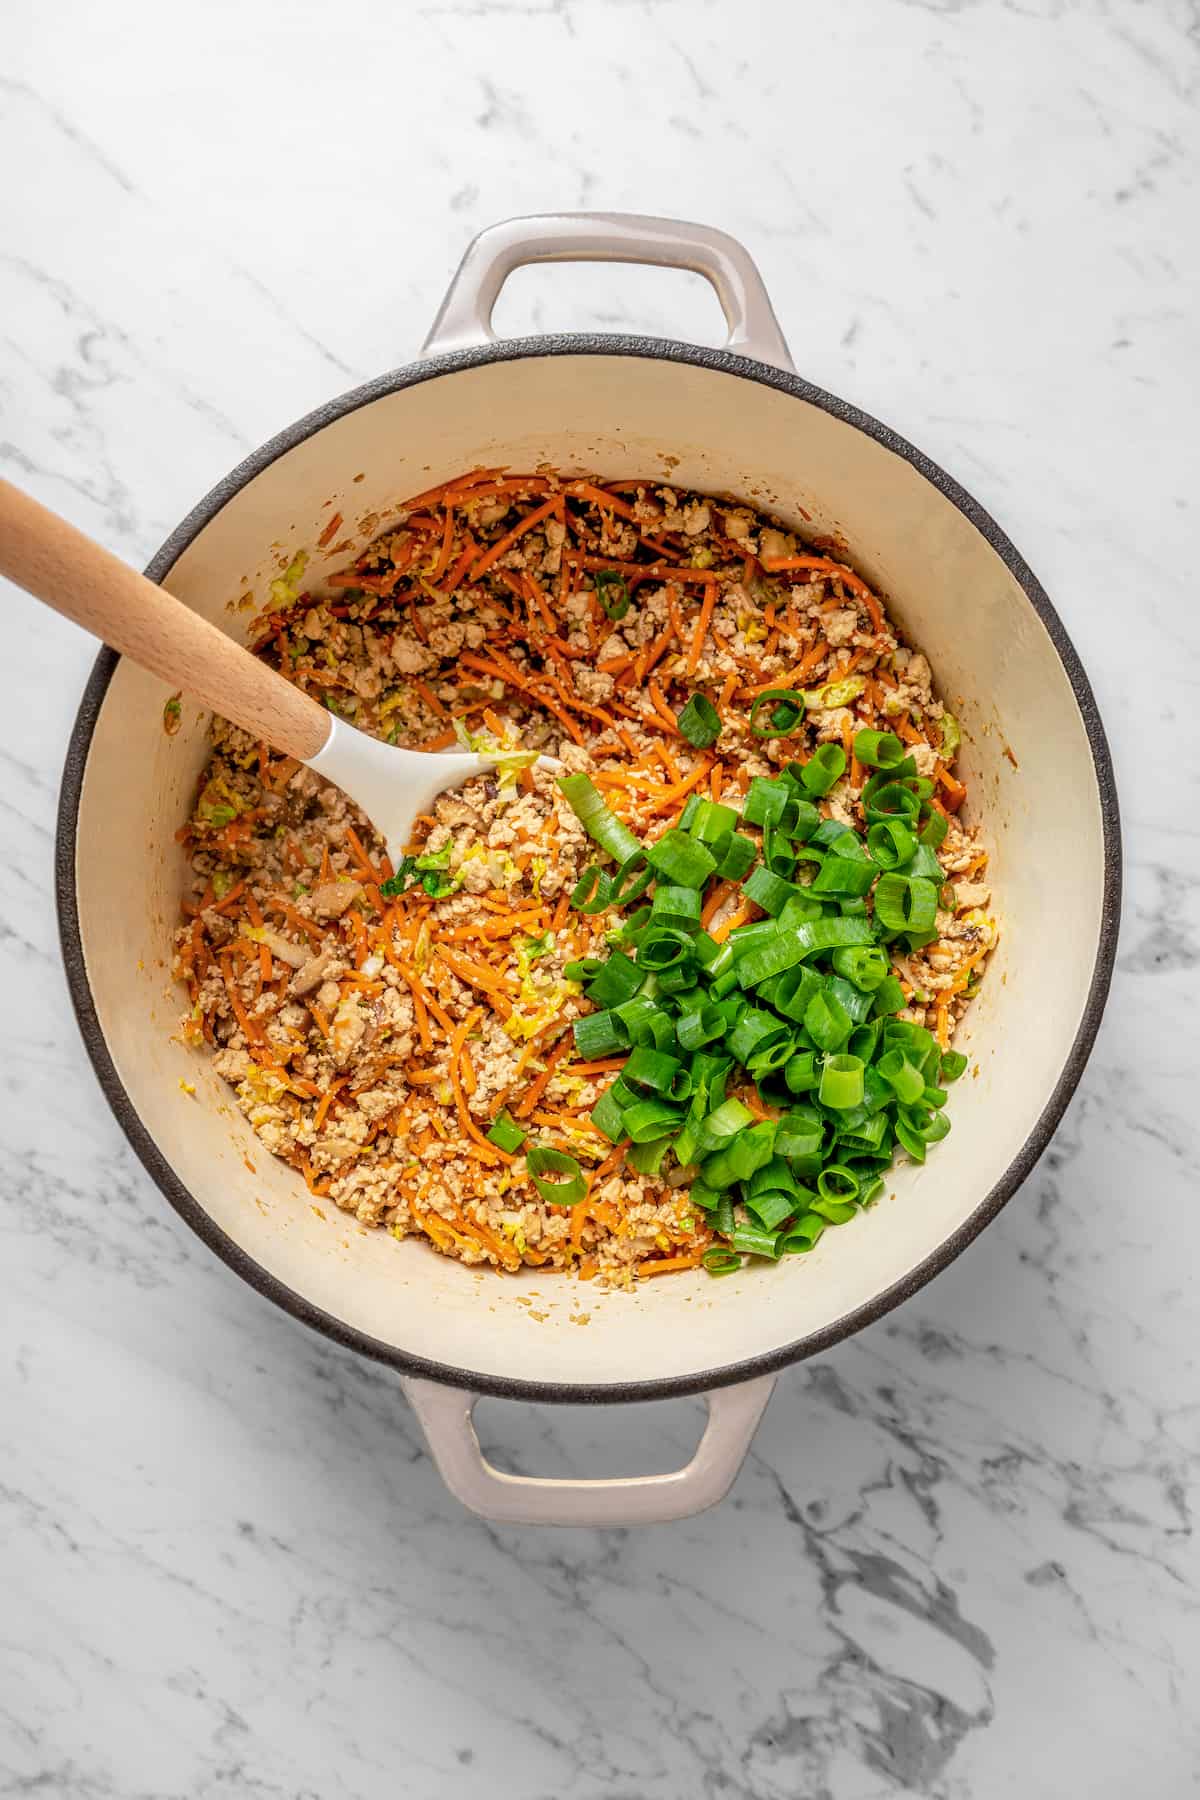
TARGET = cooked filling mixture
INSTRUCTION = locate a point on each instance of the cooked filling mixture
(680, 1005)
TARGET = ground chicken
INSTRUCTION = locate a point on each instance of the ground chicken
(372, 1028)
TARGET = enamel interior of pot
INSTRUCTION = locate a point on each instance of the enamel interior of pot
(997, 669)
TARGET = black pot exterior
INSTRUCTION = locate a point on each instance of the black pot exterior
(190, 1209)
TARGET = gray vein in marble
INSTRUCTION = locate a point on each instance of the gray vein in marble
(961, 1561)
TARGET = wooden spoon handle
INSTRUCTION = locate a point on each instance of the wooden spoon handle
(58, 564)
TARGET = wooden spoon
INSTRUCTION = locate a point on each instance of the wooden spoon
(58, 564)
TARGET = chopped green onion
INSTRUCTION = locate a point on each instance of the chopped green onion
(801, 1236)
(661, 1073)
(892, 801)
(505, 1133)
(756, 1242)
(837, 1182)
(902, 1076)
(599, 1034)
(649, 1119)
(607, 1116)
(735, 856)
(787, 712)
(645, 1021)
(618, 979)
(597, 820)
(766, 801)
(827, 1022)
(726, 1119)
(878, 749)
(720, 1262)
(889, 997)
(679, 906)
(738, 1160)
(612, 592)
(954, 1064)
(904, 903)
(769, 891)
(856, 1002)
(664, 947)
(584, 969)
(825, 766)
(801, 821)
(700, 722)
(702, 1026)
(680, 860)
(592, 893)
(891, 843)
(709, 821)
(841, 1082)
(865, 965)
(543, 1162)
(631, 879)
(844, 875)
(801, 1074)
(934, 830)
(647, 1158)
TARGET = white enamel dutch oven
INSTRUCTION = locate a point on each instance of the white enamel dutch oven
(735, 420)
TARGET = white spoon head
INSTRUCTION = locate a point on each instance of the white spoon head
(392, 785)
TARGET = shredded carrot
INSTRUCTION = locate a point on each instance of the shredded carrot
(740, 917)
(536, 1088)
(583, 490)
(956, 793)
(430, 698)
(698, 636)
(812, 659)
(442, 741)
(724, 890)
(326, 1101)
(359, 850)
(941, 1013)
(847, 577)
(330, 531)
(611, 1163)
(658, 701)
(249, 1028)
(432, 495)
(491, 1151)
(667, 1265)
(505, 544)
(646, 571)
(235, 893)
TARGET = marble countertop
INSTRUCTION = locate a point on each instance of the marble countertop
(960, 1560)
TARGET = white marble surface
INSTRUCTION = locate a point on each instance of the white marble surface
(960, 1560)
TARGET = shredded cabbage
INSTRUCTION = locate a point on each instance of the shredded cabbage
(285, 589)
(218, 805)
(295, 955)
(531, 950)
(951, 735)
(834, 693)
(506, 753)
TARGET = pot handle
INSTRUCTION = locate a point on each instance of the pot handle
(445, 1414)
(465, 316)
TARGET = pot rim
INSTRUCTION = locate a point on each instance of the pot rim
(240, 1261)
